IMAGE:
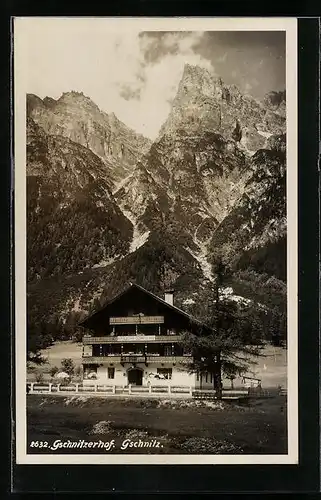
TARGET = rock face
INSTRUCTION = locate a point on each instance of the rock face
(78, 118)
(258, 218)
(105, 205)
(191, 180)
(205, 102)
(205, 160)
(73, 221)
(276, 101)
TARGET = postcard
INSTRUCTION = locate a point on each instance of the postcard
(155, 184)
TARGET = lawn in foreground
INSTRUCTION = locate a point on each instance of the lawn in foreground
(257, 427)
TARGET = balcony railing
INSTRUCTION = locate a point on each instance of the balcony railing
(150, 339)
(134, 358)
(91, 360)
(137, 320)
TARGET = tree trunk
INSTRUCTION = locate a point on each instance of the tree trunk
(217, 379)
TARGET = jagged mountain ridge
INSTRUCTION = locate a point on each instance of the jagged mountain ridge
(204, 101)
(173, 205)
(202, 159)
(78, 118)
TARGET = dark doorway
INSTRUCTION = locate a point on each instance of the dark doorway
(135, 376)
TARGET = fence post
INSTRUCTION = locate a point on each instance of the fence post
(96, 387)
(31, 386)
(114, 389)
(49, 388)
(191, 391)
(77, 387)
(58, 387)
(129, 389)
(150, 389)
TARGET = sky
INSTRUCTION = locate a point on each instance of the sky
(136, 74)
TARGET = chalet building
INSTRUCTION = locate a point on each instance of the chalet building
(135, 340)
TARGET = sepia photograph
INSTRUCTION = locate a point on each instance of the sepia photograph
(156, 249)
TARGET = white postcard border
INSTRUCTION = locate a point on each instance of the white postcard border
(22, 25)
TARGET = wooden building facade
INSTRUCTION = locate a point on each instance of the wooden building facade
(135, 340)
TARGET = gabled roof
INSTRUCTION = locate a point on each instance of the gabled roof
(191, 318)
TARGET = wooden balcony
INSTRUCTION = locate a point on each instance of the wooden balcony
(92, 360)
(134, 358)
(137, 320)
(136, 339)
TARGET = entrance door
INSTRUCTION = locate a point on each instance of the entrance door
(135, 377)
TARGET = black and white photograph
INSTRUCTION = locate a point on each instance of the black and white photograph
(156, 247)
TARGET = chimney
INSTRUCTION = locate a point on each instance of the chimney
(169, 297)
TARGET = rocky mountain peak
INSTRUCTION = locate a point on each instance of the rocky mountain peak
(198, 83)
(104, 204)
(49, 102)
(34, 102)
(76, 117)
(74, 95)
(78, 100)
(197, 78)
(204, 103)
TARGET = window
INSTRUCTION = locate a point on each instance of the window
(165, 373)
(90, 372)
(96, 350)
(111, 372)
(206, 377)
(197, 376)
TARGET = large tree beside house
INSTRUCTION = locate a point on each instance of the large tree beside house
(233, 337)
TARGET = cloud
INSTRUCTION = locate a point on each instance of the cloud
(222, 58)
(135, 75)
(161, 61)
(128, 93)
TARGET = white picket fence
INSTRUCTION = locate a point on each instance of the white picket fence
(100, 389)
(147, 391)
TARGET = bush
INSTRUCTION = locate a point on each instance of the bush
(68, 366)
(64, 381)
(102, 427)
(39, 377)
(54, 370)
(210, 445)
(135, 434)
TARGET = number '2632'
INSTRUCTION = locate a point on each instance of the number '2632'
(39, 444)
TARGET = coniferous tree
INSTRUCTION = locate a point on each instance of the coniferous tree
(232, 336)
